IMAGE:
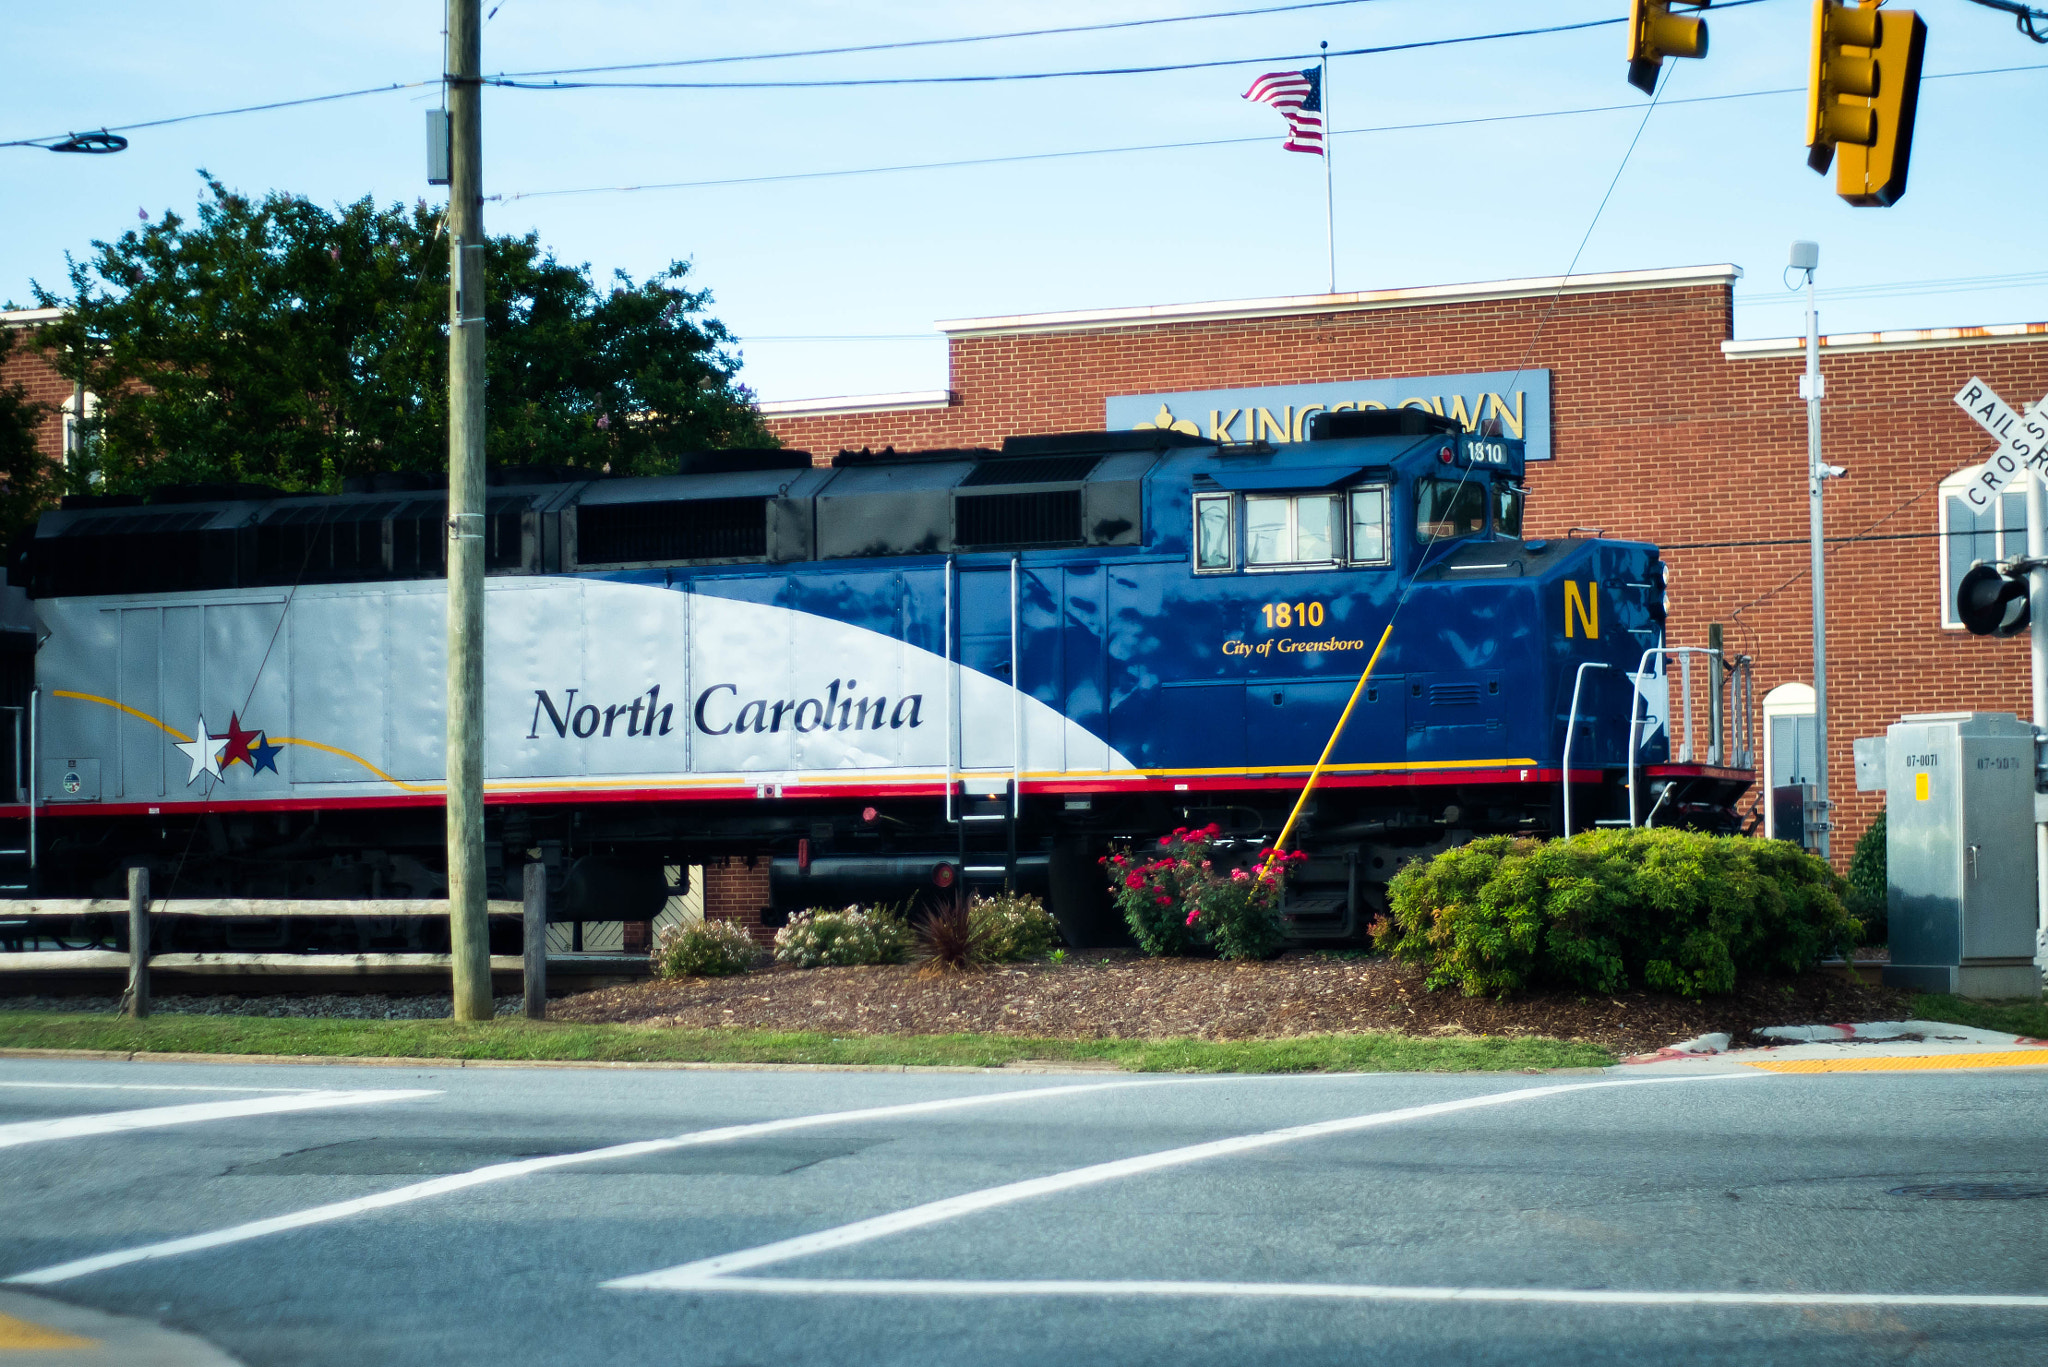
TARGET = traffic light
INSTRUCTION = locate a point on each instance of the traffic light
(1655, 33)
(1861, 96)
(1992, 602)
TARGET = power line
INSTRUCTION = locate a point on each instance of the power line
(224, 113)
(935, 42)
(992, 78)
(964, 162)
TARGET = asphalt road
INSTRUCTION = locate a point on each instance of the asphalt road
(419, 1216)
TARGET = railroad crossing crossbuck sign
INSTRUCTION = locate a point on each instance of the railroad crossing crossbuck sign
(1994, 600)
(2022, 442)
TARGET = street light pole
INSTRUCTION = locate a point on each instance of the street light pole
(468, 924)
(1806, 257)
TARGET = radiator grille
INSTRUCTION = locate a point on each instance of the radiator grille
(680, 529)
(1052, 518)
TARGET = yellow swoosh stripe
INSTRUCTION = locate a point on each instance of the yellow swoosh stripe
(274, 740)
(122, 707)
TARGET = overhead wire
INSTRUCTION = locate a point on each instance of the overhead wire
(904, 44)
(513, 83)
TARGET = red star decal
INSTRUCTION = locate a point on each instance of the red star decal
(238, 742)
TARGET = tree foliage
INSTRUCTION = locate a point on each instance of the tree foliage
(278, 342)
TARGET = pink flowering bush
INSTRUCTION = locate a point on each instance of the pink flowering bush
(1189, 895)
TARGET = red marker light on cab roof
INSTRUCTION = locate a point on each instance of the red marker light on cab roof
(1445, 455)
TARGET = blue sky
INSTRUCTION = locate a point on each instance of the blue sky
(833, 282)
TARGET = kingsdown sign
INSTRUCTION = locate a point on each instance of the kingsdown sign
(1518, 401)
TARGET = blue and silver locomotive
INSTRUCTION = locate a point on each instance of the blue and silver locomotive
(890, 673)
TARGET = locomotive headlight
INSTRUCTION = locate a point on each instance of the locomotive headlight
(1659, 587)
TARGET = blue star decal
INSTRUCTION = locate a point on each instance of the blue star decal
(263, 755)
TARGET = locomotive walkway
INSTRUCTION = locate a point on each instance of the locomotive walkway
(510, 1215)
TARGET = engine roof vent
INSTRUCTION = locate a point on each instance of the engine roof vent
(1032, 470)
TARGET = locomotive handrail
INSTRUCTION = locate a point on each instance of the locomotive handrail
(1571, 724)
(1642, 671)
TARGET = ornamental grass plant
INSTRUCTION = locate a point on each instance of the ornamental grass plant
(1191, 896)
(703, 949)
(1670, 910)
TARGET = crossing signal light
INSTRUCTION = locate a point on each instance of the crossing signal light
(1862, 93)
(1992, 602)
(1655, 33)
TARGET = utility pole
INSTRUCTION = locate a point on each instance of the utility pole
(468, 924)
(2037, 644)
(1806, 257)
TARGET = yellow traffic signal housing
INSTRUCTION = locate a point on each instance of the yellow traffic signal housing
(1861, 97)
(1655, 33)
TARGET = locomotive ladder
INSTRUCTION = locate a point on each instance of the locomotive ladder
(984, 822)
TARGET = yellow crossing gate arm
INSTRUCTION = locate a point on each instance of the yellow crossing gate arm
(1266, 870)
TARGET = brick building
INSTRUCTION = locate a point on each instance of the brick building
(1657, 424)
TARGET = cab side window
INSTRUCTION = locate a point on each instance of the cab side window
(1507, 509)
(1215, 542)
(1369, 541)
(1290, 529)
(1448, 508)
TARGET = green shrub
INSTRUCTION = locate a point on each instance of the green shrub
(704, 949)
(1869, 877)
(823, 938)
(1019, 926)
(1189, 896)
(1674, 911)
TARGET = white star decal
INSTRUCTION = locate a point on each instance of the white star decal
(204, 751)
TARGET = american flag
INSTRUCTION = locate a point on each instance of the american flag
(1298, 95)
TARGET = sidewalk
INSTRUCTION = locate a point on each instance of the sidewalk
(1875, 1046)
(38, 1332)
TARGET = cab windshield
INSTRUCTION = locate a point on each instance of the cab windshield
(1447, 508)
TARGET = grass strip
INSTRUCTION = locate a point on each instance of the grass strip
(2029, 1018)
(517, 1039)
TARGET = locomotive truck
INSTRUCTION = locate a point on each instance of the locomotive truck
(901, 671)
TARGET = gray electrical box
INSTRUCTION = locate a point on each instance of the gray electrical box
(1959, 804)
(438, 148)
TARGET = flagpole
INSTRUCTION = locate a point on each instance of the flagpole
(1329, 196)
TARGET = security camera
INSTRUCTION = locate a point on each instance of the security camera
(1833, 472)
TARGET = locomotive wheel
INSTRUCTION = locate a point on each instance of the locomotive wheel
(1080, 896)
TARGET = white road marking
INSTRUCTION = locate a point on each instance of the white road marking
(817, 1286)
(689, 1276)
(500, 1172)
(120, 1122)
(145, 1087)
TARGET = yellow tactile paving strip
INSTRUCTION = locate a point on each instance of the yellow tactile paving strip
(20, 1335)
(2018, 1058)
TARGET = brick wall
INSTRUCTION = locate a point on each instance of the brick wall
(734, 892)
(1656, 435)
(25, 366)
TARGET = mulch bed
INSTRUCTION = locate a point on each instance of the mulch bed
(1121, 994)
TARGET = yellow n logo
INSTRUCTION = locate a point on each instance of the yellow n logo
(1587, 609)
